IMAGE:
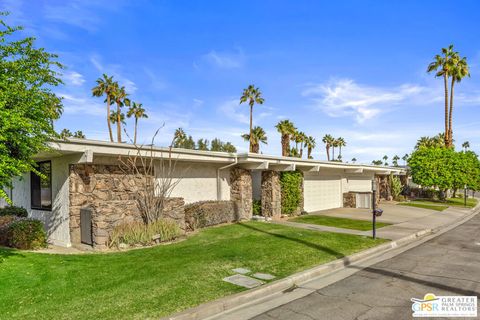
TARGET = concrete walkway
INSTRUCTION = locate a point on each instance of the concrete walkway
(404, 220)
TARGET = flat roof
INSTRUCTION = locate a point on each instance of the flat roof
(106, 148)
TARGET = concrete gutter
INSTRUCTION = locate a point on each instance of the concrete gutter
(257, 295)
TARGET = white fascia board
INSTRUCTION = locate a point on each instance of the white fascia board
(352, 170)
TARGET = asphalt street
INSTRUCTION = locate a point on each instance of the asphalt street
(446, 265)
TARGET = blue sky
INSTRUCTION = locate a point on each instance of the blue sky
(354, 69)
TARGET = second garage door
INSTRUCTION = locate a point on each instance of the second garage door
(322, 193)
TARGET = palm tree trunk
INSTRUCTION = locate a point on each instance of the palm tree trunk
(135, 132)
(301, 151)
(340, 151)
(119, 124)
(328, 152)
(251, 121)
(450, 132)
(285, 140)
(333, 153)
(309, 153)
(445, 82)
(108, 119)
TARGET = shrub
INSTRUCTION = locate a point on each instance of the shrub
(139, 233)
(291, 184)
(26, 234)
(13, 211)
(257, 207)
(396, 185)
(4, 224)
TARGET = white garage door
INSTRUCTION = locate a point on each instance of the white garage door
(322, 193)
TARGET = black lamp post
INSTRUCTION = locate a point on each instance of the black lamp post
(465, 195)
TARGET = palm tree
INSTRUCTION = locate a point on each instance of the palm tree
(286, 129)
(405, 158)
(437, 141)
(395, 160)
(79, 134)
(229, 147)
(377, 162)
(385, 158)
(354, 160)
(65, 133)
(138, 112)
(328, 140)
(334, 145)
(115, 116)
(251, 95)
(301, 137)
(442, 66)
(459, 71)
(258, 136)
(119, 96)
(202, 144)
(310, 144)
(105, 87)
(179, 138)
(466, 145)
(341, 143)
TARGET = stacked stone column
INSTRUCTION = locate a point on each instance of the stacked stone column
(271, 194)
(241, 192)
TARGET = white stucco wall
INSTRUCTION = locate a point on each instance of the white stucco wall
(198, 182)
(57, 220)
(358, 182)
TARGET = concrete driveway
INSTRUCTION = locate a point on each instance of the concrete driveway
(391, 213)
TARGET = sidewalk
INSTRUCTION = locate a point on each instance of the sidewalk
(410, 225)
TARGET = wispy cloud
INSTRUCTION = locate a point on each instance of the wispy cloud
(115, 71)
(232, 110)
(226, 60)
(73, 78)
(75, 104)
(345, 97)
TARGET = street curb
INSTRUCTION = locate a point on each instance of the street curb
(235, 301)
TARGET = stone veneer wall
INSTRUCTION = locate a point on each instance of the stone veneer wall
(209, 213)
(241, 192)
(110, 194)
(271, 194)
(383, 188)
(349, 200)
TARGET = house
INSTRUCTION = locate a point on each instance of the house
(84, 192)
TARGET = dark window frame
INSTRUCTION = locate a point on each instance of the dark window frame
(32, 206)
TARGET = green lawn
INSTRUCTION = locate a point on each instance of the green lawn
(154, 282)
(440, 205)
(338, 222)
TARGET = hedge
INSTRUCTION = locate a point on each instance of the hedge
(291, 184)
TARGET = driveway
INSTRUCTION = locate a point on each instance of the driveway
(446, 265)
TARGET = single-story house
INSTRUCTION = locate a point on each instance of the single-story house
(82, 175)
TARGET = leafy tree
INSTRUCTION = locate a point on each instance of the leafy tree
(136, 110)
(286, 129)
(328, 140)
(310, 144)
(202, 144)
(105, 86)
(251, 95)
(120, 97)
(79, 134)
(65, 133)
(28, 105)
(258, 136)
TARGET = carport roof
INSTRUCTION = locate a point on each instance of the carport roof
(89, 148)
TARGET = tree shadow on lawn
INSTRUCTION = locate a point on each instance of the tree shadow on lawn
(6, 253)
(327, 250)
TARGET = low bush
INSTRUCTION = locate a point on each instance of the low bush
(291, 185)
(13, 211)
(139, 233)
(4, 224)
(26, 234)
(257, 207)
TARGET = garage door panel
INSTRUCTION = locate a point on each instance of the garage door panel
(322, 193)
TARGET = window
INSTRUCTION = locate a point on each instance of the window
(41, 186)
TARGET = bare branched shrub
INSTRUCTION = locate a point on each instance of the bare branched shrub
(156, 178)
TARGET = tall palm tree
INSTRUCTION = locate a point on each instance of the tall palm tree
(105, 87)
(328, 140)
(385, 158)
(251, 95)
(395, 160)
(466, 145)
(405, 158)
(119, 96)
(301, 137)
(459, 70)
(442, 65)
(136, 110)
(341, 143)
(179, 138)
(258, 136)
(115, 116)
(286, 129)
(334, 145)
(310, 144)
